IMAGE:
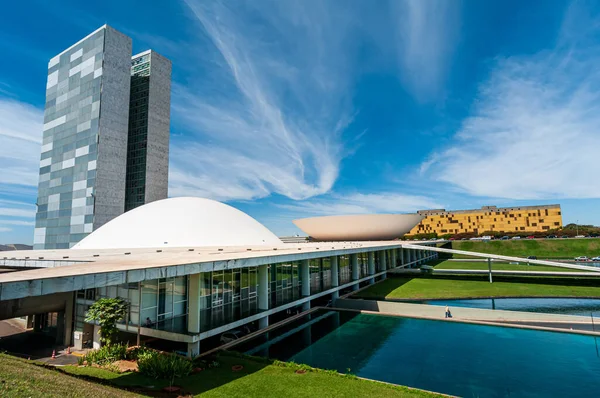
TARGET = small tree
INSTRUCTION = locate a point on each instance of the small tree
(107, 311)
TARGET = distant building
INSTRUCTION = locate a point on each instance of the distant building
(14, 246)
(294, 239)
(490, 218)
(84, 156)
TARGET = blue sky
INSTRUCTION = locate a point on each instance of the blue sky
(288, 109)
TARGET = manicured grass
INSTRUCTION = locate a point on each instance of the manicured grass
(498, 266)
(439, 287)
(18, 378)
(544, 248)
(259, 378)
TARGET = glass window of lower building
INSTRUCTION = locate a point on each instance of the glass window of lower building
(163, 303)
(285, 284)
(227, 296)
(344, 269)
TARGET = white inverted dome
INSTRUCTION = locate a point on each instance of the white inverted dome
(180, 222)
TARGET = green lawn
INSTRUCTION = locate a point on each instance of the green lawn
(467, 287)
(18, 378)
(259, 379)
(544, 248)
(497, 266)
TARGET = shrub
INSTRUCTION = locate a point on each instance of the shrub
(105, 354)
(133, 353)
(163, 366)
(107, 311)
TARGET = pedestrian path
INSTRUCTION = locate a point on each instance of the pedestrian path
(464, 314)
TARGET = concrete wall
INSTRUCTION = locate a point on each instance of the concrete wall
(109, 191)
(159, 120)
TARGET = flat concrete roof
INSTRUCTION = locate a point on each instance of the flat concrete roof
(96, 268)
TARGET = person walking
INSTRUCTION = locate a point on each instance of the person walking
(448, 314)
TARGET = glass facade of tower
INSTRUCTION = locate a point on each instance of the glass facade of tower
(70, 145)
(138, 132)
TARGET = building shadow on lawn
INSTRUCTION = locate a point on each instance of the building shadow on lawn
(381, 289)
(225, 368)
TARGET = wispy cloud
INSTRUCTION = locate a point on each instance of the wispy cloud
(273, 121)
(272, 99)
(16, 208)
(535, 128)
(427, 32)
(17, 222)
(20, 140)
(358, 203)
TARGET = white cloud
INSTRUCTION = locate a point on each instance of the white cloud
(535, 128)
(357, 203)
(17, 222)
(427, 32)
(16, 212)
(20, 140)
(271, 113)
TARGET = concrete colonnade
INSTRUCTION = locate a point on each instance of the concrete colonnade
(335, 276)
(371, 262)
(355, 271)
(305, 280)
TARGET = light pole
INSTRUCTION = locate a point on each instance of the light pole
(577, 228)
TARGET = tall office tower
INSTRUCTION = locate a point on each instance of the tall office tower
(149, 119)
(84, 148)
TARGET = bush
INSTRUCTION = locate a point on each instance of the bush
(107, 311)
(134, 352)
(105, 354)
(163, 366)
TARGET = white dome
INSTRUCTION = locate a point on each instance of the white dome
(180, 222)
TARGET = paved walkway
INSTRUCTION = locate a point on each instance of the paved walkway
(437, 271)
(519, 273)
(533, 319)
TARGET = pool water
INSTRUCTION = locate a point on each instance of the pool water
(449, 357)
(567, 306)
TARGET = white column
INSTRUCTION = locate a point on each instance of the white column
(355, 274)
(394, 259)
(263, 322)
(401, 256)
(263, 294)
(96, 337)
(335, 276)
(263, 287)
(305, 278)
(382, 262)
(60, 328)
(68, 333)
(195, 289)
(371, 259)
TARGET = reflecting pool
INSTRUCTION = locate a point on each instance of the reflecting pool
(567, 306)
(454, 358)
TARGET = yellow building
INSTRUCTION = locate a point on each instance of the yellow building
(490, 218)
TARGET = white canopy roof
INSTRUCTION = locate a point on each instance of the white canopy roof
(180, 222)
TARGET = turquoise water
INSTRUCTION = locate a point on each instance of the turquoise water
(448, 357)
(566, 306)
